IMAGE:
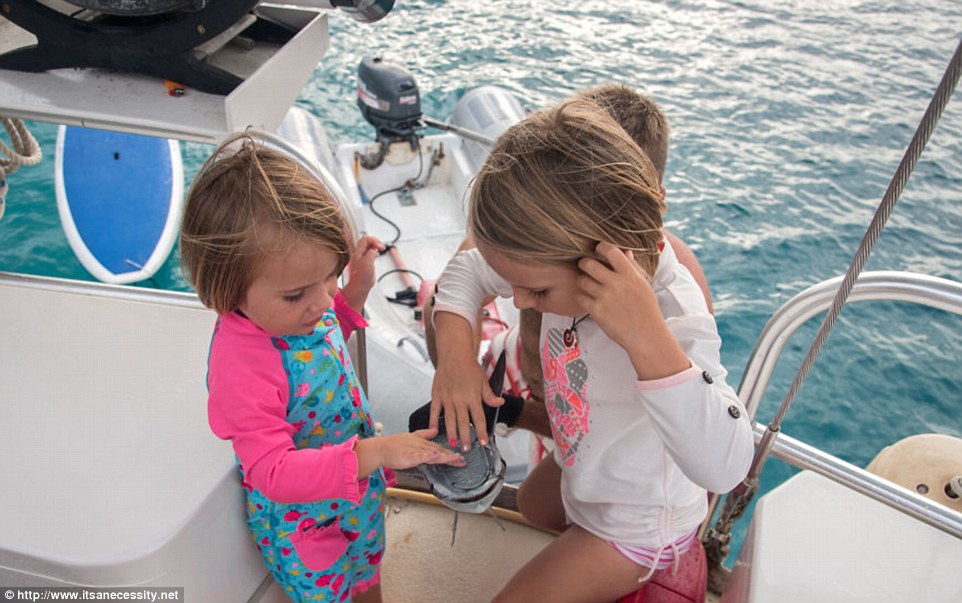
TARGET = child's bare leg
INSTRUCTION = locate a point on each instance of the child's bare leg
(539, 496)
(577, 567)
(371, 595)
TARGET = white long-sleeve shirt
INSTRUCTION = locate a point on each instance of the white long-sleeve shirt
(637, 456)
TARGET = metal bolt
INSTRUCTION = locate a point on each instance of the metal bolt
(953, 489)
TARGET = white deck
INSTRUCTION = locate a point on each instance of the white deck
(812, 539)
(111, 475)
(421, 563)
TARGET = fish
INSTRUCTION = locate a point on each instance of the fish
(473, 487)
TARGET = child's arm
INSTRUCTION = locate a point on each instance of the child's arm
(703, 424)
(459, 382)
(621, 300)
(350, 299)
(247, 404)
(262, 439)
(402, 451)
(361, 271)
(349, 318)
(705, 427)
(251, 413)
(686, 257)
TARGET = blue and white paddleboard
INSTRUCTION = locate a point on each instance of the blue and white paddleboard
(120, 198)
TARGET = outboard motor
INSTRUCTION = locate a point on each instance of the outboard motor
(389, 100)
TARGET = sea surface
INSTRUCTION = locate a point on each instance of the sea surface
(788, 121)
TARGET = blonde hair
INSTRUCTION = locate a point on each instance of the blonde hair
(246, 203)
(639, 115)
(561, 181)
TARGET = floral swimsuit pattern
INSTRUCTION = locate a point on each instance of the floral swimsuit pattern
(330, 549)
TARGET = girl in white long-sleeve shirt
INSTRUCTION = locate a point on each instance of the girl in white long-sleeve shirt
(567, 217)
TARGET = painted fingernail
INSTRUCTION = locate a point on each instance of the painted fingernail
(483, 442)
(466, 447)
(453, 443)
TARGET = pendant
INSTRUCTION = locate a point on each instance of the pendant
(570, 336)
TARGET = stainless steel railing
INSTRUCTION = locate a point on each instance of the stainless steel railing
(920, 289)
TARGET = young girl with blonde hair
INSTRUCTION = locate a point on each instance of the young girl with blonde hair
(567, 217)
(263, 244)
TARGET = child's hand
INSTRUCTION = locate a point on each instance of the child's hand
(622, 302)
(458, 391)
(459, 383)
(361, 276)
(403, 451)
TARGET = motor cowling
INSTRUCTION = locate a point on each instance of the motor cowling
(388, 98)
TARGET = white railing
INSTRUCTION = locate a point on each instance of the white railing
(920, 289)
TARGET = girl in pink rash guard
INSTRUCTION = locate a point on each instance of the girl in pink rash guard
(264, 244)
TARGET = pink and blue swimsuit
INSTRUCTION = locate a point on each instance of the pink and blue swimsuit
(293, 409)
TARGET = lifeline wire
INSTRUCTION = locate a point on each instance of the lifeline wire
(891, 197)
(738, 499)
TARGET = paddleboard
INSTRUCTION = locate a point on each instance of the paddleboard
(120, 199)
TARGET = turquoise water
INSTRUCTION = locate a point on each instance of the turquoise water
(788, 121)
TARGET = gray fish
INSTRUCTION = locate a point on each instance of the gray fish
(473, 487)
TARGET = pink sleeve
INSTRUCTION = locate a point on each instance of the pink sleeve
(349, 318)
(247, 404)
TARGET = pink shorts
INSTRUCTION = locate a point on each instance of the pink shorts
(656, 559)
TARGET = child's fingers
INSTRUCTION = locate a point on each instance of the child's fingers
(443, 457)
(611, 253)
(426, 434)
(372, 242)
(588, 285)
(368, 239)
(451, 424)
(368, 245)
(480, 423)
(435, 413)
(480, 419)
(464, 427)
(433, 453)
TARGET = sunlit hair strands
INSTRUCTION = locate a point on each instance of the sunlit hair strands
(561, 181)
(247, 202)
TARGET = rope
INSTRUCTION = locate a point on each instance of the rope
(738, 499)
(24, 151)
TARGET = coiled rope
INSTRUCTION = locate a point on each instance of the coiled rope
(23, 150)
